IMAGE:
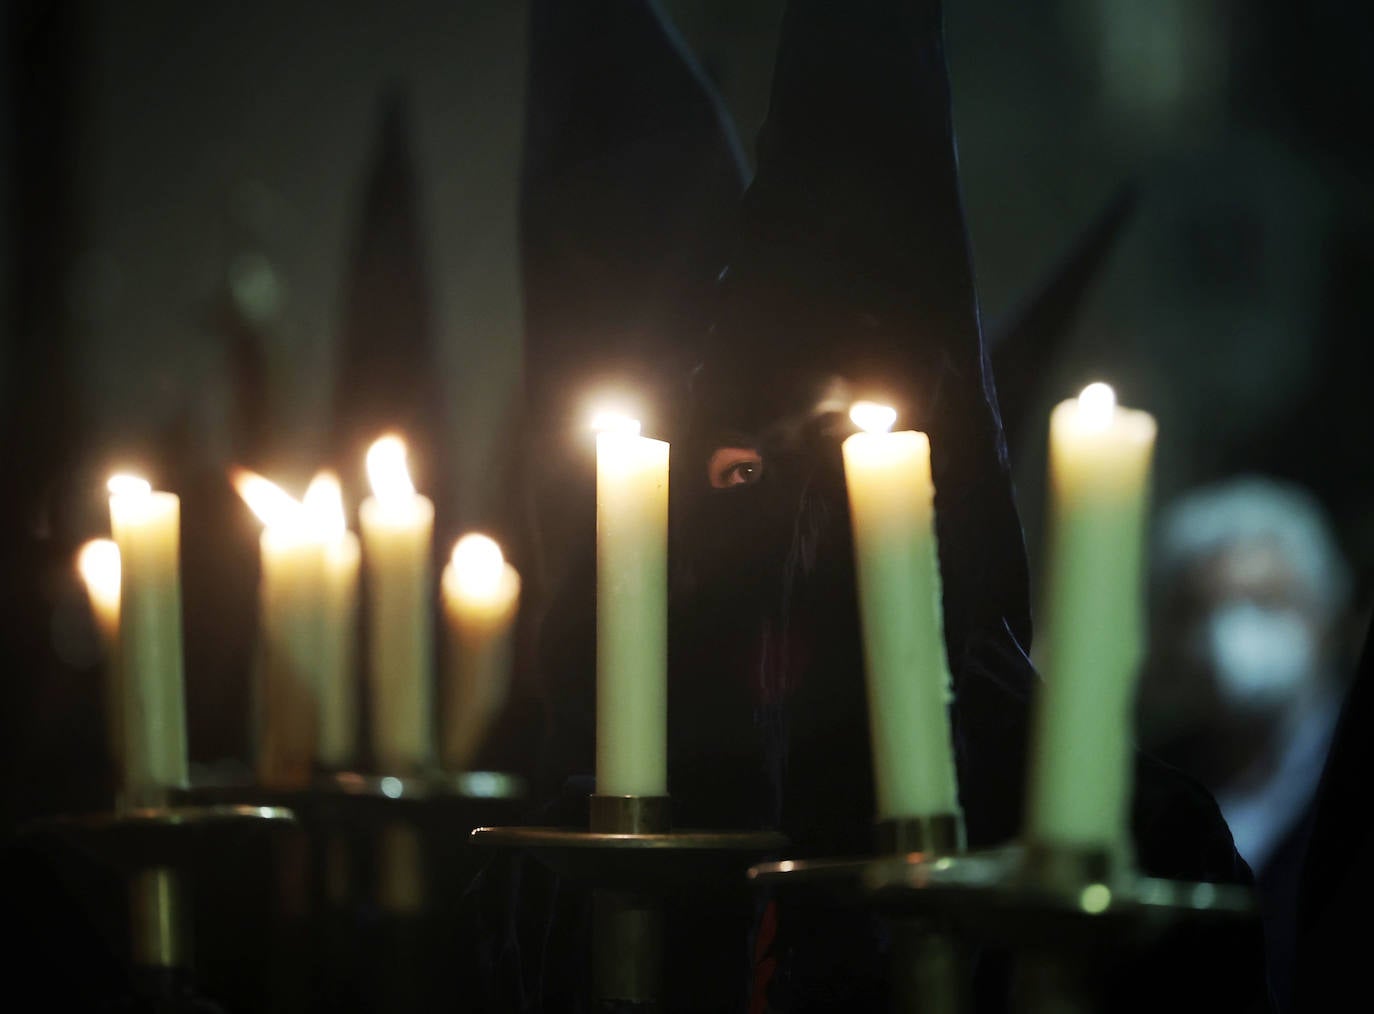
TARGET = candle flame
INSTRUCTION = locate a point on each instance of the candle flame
(324, 507)
(478, 565)
(98, 564)
(386, 470)
(273, 506)
(1096, 406)
(871, 417)
(614, 422)
(128, 485)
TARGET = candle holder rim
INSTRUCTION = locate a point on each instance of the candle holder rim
(682, 839)
(157, 835)
(682, 862)
(176, 815)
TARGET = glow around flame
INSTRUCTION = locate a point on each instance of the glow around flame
(128, 485)
(614, 422)
(386, 470)
(1096, 406)
(324, 508)
(274, 507)
(98, 564)
(478, 565)
(871, 417)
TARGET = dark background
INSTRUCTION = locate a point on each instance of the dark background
(185, 187)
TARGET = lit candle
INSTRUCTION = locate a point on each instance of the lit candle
(98, 564)
(397, 528)
(289, 633)
(1099, 472)
(892, 510)
(631, 611)
(147, 529)
(338, 684)
(481, 592)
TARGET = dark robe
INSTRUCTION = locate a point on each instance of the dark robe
(849, 275)
(1337, 886)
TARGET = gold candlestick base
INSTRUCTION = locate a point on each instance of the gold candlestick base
(156, 850)
(631, 814)
(936, 834)
(633, 861)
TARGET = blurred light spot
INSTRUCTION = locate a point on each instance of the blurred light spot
(1095, 898)
(256, 287)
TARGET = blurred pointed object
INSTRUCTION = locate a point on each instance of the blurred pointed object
(853, 263)
(629, 184)
(1034, 336)
(250, 420)
(387, 373)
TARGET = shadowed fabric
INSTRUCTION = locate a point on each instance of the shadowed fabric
(1337, 887)
(630, 179)
(848, 276)
(852, 266)
(631, 173)
(851, 277)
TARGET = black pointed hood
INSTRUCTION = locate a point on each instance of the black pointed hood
(853, 265)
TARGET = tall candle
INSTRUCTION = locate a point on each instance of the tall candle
(147, 529)
(481, 592)
(336, 650)
(892, 510)
(631, 611)
(397, 528)
(289, 634)
(98, 564)
(1099, 472)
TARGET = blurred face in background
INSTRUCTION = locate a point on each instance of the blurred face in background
(1239, 642)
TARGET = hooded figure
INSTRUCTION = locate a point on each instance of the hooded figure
(849, 276)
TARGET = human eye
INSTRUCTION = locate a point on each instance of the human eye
(734, 466)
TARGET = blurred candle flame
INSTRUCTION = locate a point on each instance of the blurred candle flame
(128, 485)
(324, 508)
(387, 472)
(1096, 406)
(98, 564)
(871, 417)
(614, 422)
(273, 506)
(478, 565)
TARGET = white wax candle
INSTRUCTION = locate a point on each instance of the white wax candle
(147, 528)
(397, 528)
(335, 661)
(631, 611)
(1099, 467)
(307, 694)
(288, 635)
(481, 592)
(98, 564)
(892, 509)
(338, 737)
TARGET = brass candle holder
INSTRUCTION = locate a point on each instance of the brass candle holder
(1065, 914)
(367, 893)
(928, 961)
(634, 862)
(155, 850)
